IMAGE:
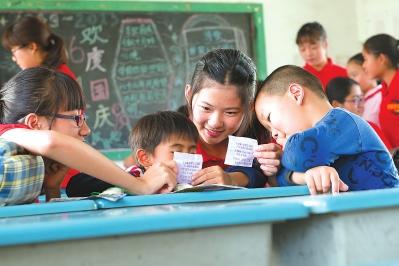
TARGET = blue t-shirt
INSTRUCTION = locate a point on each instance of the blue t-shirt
(346, 142)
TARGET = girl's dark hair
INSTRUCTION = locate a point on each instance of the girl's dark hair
(41, 91)
(339, 88)
(227, 67)
(311, 32)
(357, 58)
(31, 29)
(153, 129)
(384, 44)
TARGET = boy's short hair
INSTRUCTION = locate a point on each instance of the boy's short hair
(279, 80)
(339, 88)
(153, 129)
(311, 32)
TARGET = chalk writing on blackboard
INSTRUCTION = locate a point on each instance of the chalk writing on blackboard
(133, 63)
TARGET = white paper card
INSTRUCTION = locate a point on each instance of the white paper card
(188, 164)
(240, 151)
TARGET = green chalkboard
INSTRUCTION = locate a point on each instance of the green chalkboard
(134, 58)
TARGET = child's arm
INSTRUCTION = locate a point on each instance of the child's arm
(216, 175)
(236, 176)
(78, 155)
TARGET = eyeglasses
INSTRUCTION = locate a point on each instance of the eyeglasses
(13, 52)
(80, 119)
(356, 101)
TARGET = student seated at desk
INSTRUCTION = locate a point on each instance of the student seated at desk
(153, 139)
(291, 104)
(41, 110)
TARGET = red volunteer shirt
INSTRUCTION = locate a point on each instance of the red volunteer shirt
(389, 110)
(328, 72)
(209, 160)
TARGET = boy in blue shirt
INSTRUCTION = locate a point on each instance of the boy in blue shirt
(320, 142)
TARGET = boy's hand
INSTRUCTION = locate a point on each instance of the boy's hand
(269, 158)
(160, 177)
(321, 179)
(212, 175)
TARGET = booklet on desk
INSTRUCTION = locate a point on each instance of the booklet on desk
(180, 188)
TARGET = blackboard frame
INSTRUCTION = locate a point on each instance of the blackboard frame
(253, 9)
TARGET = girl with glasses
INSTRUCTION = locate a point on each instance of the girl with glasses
(32, 43)
(346, 93)
(41, 110)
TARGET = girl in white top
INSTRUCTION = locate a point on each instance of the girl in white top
(370, 88)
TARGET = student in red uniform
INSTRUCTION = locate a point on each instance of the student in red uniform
(312, 42)
(370, 89)
(41, 110)
(381, 60)
(32, 43)
(346, 93)
(220, 99)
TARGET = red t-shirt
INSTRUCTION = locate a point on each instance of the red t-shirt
(381, 134)
(389, 110)
(209, 160)
(6, 127)
(65, 69)
(328, 72)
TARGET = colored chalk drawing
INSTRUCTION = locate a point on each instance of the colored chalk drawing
(141, 73)
(217, 33)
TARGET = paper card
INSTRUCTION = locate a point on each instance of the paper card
(188, 164)
(240, 151)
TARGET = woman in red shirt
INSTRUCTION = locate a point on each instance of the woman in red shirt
(381, 60)
(32, 43)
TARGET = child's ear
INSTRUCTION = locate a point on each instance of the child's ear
(187, 92)
(144, 158)
(33, 121)
(297, 92)
(33, 46)
(383, 59)
(335, 104)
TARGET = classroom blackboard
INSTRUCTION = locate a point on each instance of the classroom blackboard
(134, 62)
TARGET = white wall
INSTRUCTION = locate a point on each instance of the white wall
(348, 24)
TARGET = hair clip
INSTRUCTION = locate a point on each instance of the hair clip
(52, 41)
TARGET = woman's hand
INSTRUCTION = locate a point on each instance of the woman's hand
(212, 175)
(269, 158)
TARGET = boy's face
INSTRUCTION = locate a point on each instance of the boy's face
(314, 52)
(165, 150)
(280, 115)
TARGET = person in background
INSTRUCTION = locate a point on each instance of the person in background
(381, 61)
(312, 42)
(369, 87)
(347, 94)
(41, 110)
(32, 43)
